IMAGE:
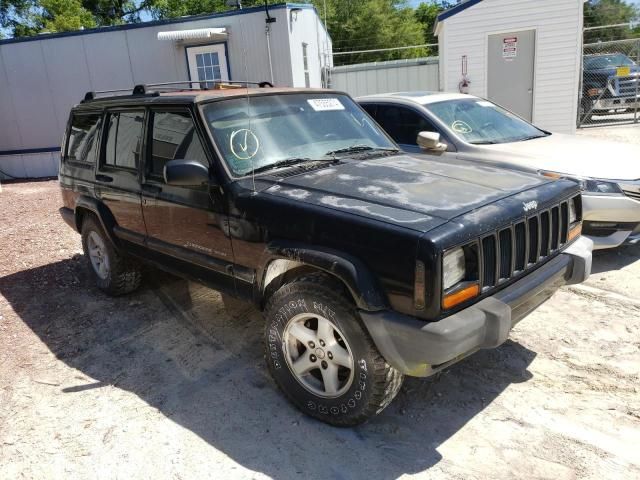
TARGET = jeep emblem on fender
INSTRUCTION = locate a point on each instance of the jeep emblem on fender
(532, 205)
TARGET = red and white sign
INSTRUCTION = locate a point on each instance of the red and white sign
(509, 47)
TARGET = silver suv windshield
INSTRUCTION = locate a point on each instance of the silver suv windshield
(264, 132)
(481, 122)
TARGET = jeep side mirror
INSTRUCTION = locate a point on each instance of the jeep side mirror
(185, 173)
(430, 141)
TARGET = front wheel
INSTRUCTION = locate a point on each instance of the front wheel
(321, 357)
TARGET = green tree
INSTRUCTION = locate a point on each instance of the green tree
(179, 8)
(13, 13)
(64, 16)
(610, 12)
(371, 24)
(427, 13)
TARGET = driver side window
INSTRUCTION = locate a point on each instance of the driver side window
(173, 137)
(403, 124)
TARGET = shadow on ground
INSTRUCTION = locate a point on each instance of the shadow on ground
(173, 345)
(615, 258)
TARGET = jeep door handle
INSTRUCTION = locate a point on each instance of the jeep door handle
(104, 178)
(151, 188)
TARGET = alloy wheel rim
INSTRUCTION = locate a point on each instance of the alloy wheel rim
(318, 355)
(98, 255)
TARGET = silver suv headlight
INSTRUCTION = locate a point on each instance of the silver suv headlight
(600, 186)
(453, 268)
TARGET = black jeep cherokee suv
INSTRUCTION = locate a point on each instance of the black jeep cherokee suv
(368, 264)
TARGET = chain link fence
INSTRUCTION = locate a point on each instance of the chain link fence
(610, 87)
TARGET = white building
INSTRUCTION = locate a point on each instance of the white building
(522, 54)
(42, 77)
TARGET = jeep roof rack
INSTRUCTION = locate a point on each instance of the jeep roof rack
(143, 88)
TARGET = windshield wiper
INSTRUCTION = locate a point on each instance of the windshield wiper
(483, 142)
(288, 162)
(360, 148)
(531, 137)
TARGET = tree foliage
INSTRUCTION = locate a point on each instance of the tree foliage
(610, 12)
(371, 24)
(427, 13)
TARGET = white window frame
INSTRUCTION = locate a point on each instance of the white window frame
(305, 64)
(219, 48)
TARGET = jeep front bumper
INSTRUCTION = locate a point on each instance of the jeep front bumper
(420, 349)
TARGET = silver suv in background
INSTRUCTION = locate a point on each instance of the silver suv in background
(465, 127)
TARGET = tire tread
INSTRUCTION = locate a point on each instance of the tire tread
(386, 380)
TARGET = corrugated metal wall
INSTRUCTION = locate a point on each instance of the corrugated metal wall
(558, 25)
(41, 79)
(383, 77)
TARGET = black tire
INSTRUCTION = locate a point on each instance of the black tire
(122, 275)
(374, 382)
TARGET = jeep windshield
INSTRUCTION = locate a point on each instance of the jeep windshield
(481, 122)
(260, 133)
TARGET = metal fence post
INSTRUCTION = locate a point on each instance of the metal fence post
(636, 103)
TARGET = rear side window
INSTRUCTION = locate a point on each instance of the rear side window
(124, 139)
(81, 146)
(174, 137)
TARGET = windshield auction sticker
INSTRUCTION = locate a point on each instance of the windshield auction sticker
(325, 104)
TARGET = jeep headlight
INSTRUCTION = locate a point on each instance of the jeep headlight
(453, 268)
(573, 214)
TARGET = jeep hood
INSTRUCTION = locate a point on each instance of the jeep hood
(415, 193)
(570, 154)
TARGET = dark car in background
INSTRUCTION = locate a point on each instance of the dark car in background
(610, 84)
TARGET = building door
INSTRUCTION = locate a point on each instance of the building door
(208, 63)
(511, 71)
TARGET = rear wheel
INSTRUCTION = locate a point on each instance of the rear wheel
(112, 272)
(321, 357)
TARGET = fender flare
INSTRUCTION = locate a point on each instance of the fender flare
(105, 217)
(351, 271)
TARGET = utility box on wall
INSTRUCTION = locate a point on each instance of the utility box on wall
(524, 55)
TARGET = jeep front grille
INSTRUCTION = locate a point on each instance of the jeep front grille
(509, 251)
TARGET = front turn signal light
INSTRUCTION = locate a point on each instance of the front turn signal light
(574, 232)
(460, 296)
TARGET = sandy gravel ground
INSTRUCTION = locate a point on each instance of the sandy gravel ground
(164, 383)
(627, 133)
